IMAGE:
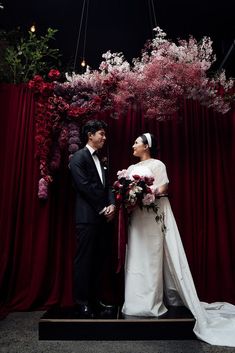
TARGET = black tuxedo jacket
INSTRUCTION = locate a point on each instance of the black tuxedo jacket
(91, 194)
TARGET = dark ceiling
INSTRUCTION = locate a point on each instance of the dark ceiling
(125, 25)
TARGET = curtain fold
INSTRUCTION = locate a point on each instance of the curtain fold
(37, 238)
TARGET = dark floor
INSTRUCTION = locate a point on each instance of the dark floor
(19, 334)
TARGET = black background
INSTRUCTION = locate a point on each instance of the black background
(125, 25)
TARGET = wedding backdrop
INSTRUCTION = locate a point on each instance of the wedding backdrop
(166, 92)
(37, 240)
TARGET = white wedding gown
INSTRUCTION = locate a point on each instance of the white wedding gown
(156, 263)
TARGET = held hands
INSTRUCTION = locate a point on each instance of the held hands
(109, 212)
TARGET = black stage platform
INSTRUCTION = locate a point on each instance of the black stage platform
(61, 324)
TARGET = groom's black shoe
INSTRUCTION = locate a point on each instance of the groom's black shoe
(83, 311)
(104, 311)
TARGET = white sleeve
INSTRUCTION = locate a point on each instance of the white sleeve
(160, 174)
(129, 169)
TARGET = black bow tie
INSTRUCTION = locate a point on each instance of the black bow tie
(96, 153)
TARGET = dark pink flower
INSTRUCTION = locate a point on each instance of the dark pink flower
(73, 148)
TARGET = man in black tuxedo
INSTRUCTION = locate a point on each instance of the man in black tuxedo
(95, 207)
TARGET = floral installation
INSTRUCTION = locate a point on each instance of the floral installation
(165, 73)
(44, 126)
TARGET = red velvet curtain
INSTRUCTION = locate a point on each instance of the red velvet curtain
(37, 238)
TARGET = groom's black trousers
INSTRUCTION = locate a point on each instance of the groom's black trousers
(89, 261)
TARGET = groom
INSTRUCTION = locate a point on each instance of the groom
(94, 209)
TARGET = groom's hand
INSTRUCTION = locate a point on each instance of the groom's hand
(110, 212)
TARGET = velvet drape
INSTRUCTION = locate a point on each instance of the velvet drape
(37, 237)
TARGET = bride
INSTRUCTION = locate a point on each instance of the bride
(157, 273)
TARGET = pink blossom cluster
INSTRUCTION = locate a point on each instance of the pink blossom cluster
(167, 71)
(87, 94)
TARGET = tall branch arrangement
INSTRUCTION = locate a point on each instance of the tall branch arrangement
(23, 56)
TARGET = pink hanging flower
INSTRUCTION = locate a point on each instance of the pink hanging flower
(42, 189)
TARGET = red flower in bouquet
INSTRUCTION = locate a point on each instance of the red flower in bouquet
(45, 121)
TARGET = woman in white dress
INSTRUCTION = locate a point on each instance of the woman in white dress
(157, 272)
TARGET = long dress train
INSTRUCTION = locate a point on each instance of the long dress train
(156, 263)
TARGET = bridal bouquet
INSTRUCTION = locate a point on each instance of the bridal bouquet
(134, 191)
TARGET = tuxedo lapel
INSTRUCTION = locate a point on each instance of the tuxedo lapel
(89, 156)
(92, 163)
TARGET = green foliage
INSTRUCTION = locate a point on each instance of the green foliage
(22, 57)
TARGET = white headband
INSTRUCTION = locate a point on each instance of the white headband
(149, 138)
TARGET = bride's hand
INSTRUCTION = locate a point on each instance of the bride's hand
(162, 189)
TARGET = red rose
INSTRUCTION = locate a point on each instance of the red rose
(38, 78)
(31, 84)
(39, 139)
(148, 190)
(136, 177)
(54, 74)
(149, 180)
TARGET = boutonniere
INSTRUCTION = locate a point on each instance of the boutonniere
(104, 161)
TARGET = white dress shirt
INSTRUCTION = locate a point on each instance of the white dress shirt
(97, 161)
(98, 167)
